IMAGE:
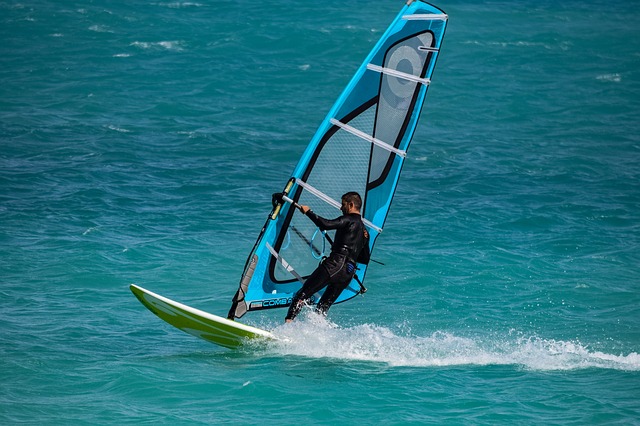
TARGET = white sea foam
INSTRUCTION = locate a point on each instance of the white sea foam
(315, 337)
(118, 129)
(100, 29)
(615, 77)
(167, 45)
(519, 44)
(90, 230)
(178, 5)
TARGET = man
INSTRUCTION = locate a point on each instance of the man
(351, 245)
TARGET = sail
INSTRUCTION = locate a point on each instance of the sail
(360, 146)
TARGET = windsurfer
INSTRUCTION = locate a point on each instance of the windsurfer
(351, 246)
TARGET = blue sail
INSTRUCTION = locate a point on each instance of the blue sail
(360, 146)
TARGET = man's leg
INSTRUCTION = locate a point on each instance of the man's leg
(315, 282)
(339, 281)
(330, 295)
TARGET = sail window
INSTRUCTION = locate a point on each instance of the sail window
(324, 197)
(332, 202)
(284, 263)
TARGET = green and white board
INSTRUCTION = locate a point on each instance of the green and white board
(204, 325)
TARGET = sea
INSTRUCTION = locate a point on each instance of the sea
(140, 142)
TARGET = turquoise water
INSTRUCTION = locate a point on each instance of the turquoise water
(141, 141)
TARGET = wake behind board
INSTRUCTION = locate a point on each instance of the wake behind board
(204, 325)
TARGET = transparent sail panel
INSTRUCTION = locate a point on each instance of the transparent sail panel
(396, 95)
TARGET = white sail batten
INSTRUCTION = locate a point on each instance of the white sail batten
(426, 17)
(398, 74)
(284, 263)
(324, 197)
(366, 137)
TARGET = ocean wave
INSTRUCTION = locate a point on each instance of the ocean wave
(117, 129)
(175, 46)
(614, 77)
(562, 45)
(179, 5)
(100, 29)
(315, 337)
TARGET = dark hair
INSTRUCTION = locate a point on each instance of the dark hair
(353, 197)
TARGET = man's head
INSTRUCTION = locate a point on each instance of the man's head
(351, 202)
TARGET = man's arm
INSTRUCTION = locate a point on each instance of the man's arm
(322, 223)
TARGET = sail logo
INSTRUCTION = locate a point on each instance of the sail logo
(275, 303)
(272, 303)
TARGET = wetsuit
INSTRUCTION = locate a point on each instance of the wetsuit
(336, 271)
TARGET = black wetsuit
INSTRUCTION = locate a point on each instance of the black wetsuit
(336, 271)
